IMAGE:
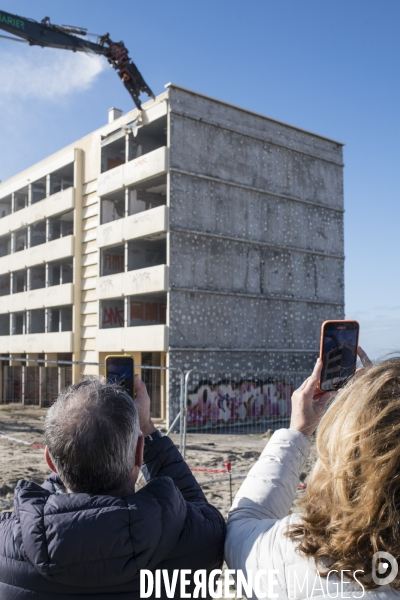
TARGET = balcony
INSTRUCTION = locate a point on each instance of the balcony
(38, 342)
(55, 250)
(139, 169)
(141, 281)
(56, 295)
(153, 338)
(143, 224)
(50, 206)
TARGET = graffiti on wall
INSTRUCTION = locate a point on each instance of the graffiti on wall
(239, 402)
(113, 263)
(112, 316)
(140, 313)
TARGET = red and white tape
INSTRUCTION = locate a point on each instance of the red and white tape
(18, 441)
(301, 486)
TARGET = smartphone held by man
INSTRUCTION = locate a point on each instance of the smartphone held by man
(120, 369)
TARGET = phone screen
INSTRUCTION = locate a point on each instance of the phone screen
(119, 369)
(339, 353)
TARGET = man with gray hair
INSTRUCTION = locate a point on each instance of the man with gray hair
(91, 435)
(86, 532)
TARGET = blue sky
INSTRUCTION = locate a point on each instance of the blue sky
(329, 67)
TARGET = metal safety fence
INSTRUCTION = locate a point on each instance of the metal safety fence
(33, 381)
(38, 381)
(198, 400)
(242, 407)
(238, 401)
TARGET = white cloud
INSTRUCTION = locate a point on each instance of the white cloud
(46, 74)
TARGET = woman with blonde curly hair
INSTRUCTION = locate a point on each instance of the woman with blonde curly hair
(345, 541)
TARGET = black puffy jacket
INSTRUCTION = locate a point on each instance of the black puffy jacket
(80, 546)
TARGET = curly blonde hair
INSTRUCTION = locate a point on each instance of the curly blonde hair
(351, 508)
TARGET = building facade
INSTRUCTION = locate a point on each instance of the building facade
(190, 234)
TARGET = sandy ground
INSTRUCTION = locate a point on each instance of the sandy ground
(211, 451)
(18, 461)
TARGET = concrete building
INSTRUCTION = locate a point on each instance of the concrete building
(192, 234)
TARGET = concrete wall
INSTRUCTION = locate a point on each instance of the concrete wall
(256, 238)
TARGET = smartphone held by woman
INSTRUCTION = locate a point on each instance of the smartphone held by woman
(338, 352)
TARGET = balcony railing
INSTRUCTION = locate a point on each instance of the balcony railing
(49, 207)
(141, 281)
(55, 295)
(153, 338)
(55, 250)
(37, 342)
(139, 169)
(143, 224)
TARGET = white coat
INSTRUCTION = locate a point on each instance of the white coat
(255, 542)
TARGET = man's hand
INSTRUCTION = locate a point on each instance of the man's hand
(308, 404)
(142, 401)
